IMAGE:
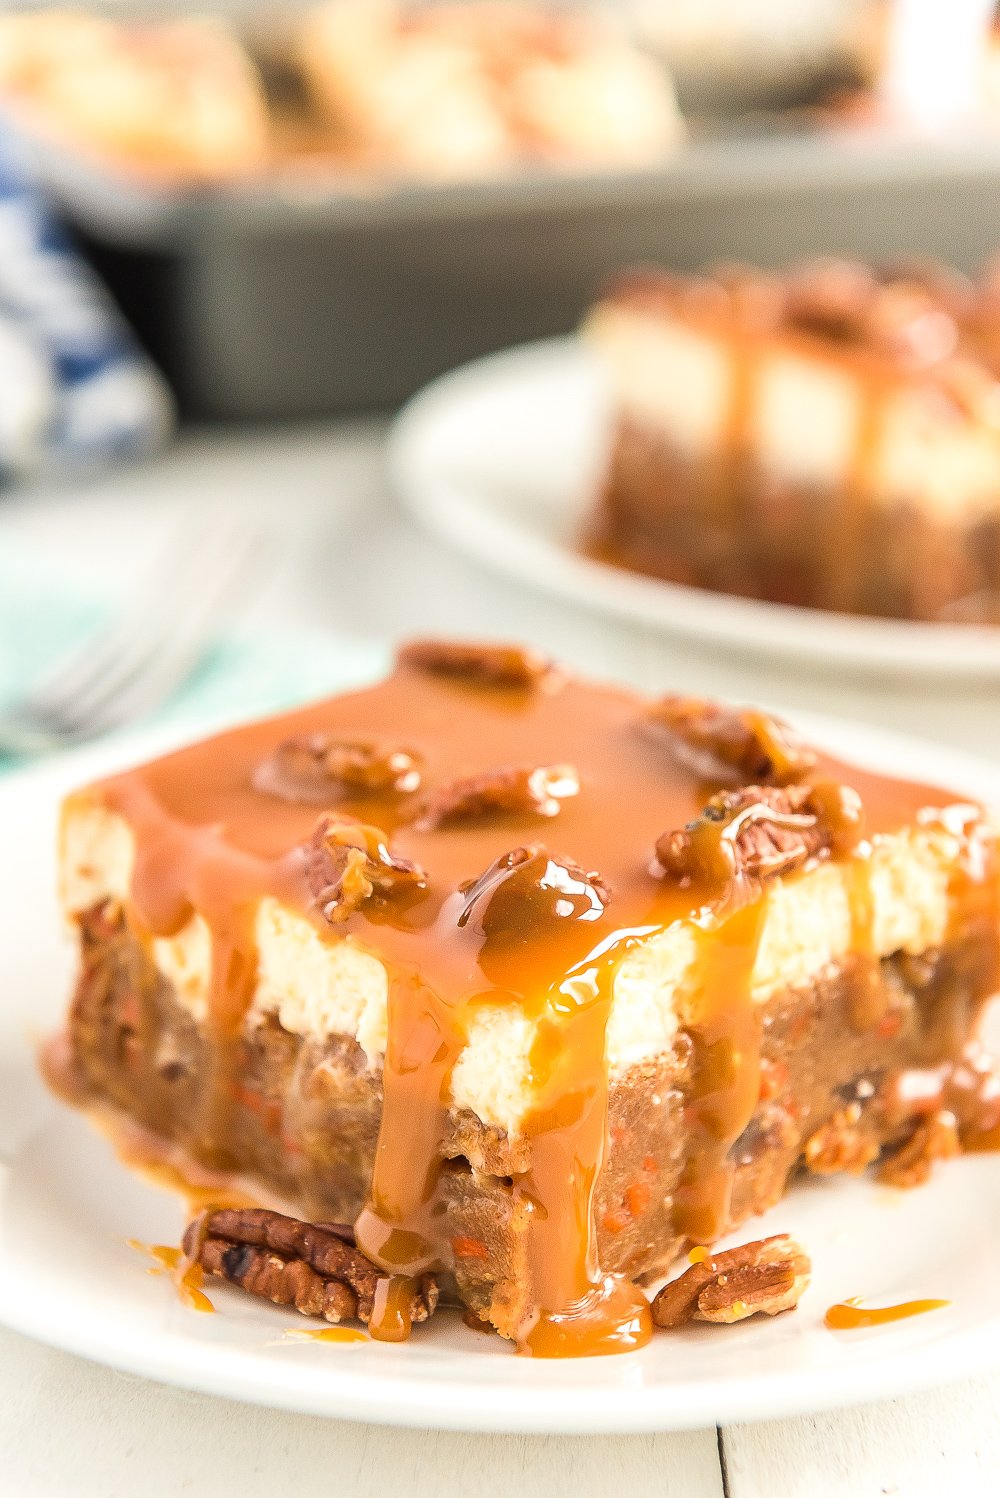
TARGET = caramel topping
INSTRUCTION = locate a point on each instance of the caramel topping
(850, 1315)
(899, 318)
(476, 910)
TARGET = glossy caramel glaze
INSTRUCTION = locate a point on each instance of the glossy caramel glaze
(545, 929)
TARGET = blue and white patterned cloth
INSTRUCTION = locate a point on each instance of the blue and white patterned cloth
(75, 388)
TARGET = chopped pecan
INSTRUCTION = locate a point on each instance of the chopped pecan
(313, 768)
(312, 1266)
(841, 1144)
(760, 832)
(731, 745)
(492, 665)
(934, 1138)
(349, 864)
(767, 1277)
(538, 792)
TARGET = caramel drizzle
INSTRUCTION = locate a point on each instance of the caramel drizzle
(209, 842)
(844, 523)
(726, 1034)
(581, 1310)
(850, 1315)
(339, 1334)
(186, 1275)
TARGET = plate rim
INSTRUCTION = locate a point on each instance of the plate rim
(911, 651)
(462, 1404)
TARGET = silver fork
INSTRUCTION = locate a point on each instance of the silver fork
(134, 662)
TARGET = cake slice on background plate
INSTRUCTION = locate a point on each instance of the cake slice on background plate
(828, 436)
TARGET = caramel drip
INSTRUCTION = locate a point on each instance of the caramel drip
(209, 842)
(845, 523)
(157, 1163)
(390, 1319)
(187, 1276)
(725, 1028)
(324, 1334)
(850, 1315)
(986, 1143)
(397, 1228)
(737, 439)
(581, 1311)
(867, 995)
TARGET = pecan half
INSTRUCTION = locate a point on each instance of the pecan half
(538, 792)
(764, 1277)
(348, 865)
(731, 745)
(842, 1144)
(314, 768)
(760, 832)
(530, 894)
(314, 1267)
(934, 1138)
(497, 665)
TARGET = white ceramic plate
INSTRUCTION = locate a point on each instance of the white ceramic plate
(67, 1206)
(503, 457)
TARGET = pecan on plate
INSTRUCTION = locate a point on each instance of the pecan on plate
(537, 792)
(934, 1138)
(737, 746)
(314, 1267)
(348, 864)
(497, 665)
(765, 1277)
(760, 832)
(314, 768)
(842, 1144)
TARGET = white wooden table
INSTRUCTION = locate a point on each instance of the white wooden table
(348, 561)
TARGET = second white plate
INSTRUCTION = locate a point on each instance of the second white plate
(503, 457)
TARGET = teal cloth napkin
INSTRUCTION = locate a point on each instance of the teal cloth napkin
(245, 674)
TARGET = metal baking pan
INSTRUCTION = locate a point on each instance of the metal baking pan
(292, 298)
